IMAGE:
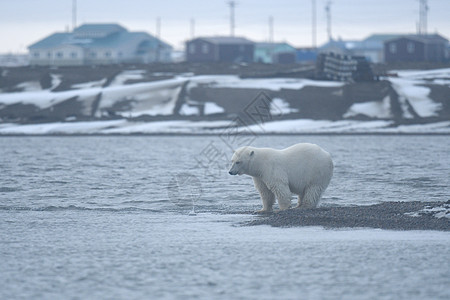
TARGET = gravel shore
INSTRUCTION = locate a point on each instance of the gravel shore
(388, 215)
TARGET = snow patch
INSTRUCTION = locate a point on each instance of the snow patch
(56, 80)
(442, 211)
(29, 86)
(212, 108)
(274, 84)
(418, 74)
(198, 127)
(188, 110)
(88, 85)
(417, 96)
(373, 109)
(280, 107)
(124, 76)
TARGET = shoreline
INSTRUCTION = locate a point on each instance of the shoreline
(218, 134)
(200, 134)
(388, 216)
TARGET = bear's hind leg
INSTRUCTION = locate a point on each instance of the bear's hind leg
(267, 197)
(311, 197)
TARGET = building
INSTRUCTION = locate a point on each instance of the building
(306, 55)
(220, 49)
(92, 44)
(372, 47)
(416, 48)
(339, 47)
(274, 53)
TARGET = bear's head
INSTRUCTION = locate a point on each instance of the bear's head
(241, 161)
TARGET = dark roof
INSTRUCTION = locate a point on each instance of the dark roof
(381, 37)
(230, 40)
(424, 38)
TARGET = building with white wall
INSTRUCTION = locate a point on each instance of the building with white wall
(92, 44)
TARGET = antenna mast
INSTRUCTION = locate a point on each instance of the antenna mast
(423, 11)
(328, 11)
(270, 29)
(314, 26)
(158, 27)
(74, 14)
(192, 28)
(232, 5)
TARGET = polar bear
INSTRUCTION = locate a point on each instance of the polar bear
(303, 169)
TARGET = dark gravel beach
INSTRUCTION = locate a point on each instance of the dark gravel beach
(388, 215)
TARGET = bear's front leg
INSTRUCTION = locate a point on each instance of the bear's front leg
(267, 197)
(283, 195)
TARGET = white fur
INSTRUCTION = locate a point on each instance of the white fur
(302, 169)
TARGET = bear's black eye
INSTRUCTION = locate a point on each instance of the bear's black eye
(238, 162)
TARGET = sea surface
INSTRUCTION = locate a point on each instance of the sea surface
(158, 217)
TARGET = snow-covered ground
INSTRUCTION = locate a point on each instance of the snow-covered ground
(274, 84)
(409, 85)
(160, 98)
(373, 109)
(303, 126)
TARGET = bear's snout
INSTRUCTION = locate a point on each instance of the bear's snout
(232, 173)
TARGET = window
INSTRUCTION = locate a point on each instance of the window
(74, 55)
(205, 48)
(49, 54)
(410, 47)
(192, 48)
(393, 47)
(36, 54)
(108, 54)
(93, 54)
(59, 54)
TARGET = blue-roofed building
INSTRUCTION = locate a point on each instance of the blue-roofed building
(274, 53)
(91, 44)
(306, 55)
(372, 47)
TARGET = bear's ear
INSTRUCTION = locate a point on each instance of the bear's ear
(251, 153)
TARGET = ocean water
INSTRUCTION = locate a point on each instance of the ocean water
(158, 217)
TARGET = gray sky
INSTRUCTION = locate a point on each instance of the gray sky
(23, 22)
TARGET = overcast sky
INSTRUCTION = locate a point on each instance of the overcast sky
(23, 22)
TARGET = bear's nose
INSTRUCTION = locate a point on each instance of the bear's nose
(231, 173)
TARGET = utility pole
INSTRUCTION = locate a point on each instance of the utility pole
(423, 11)
(158, 27)
(270, 29)
(232, 5)
(328, 11)
(314, 26)
(192, 28)
(158, 35)
(74, 14)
